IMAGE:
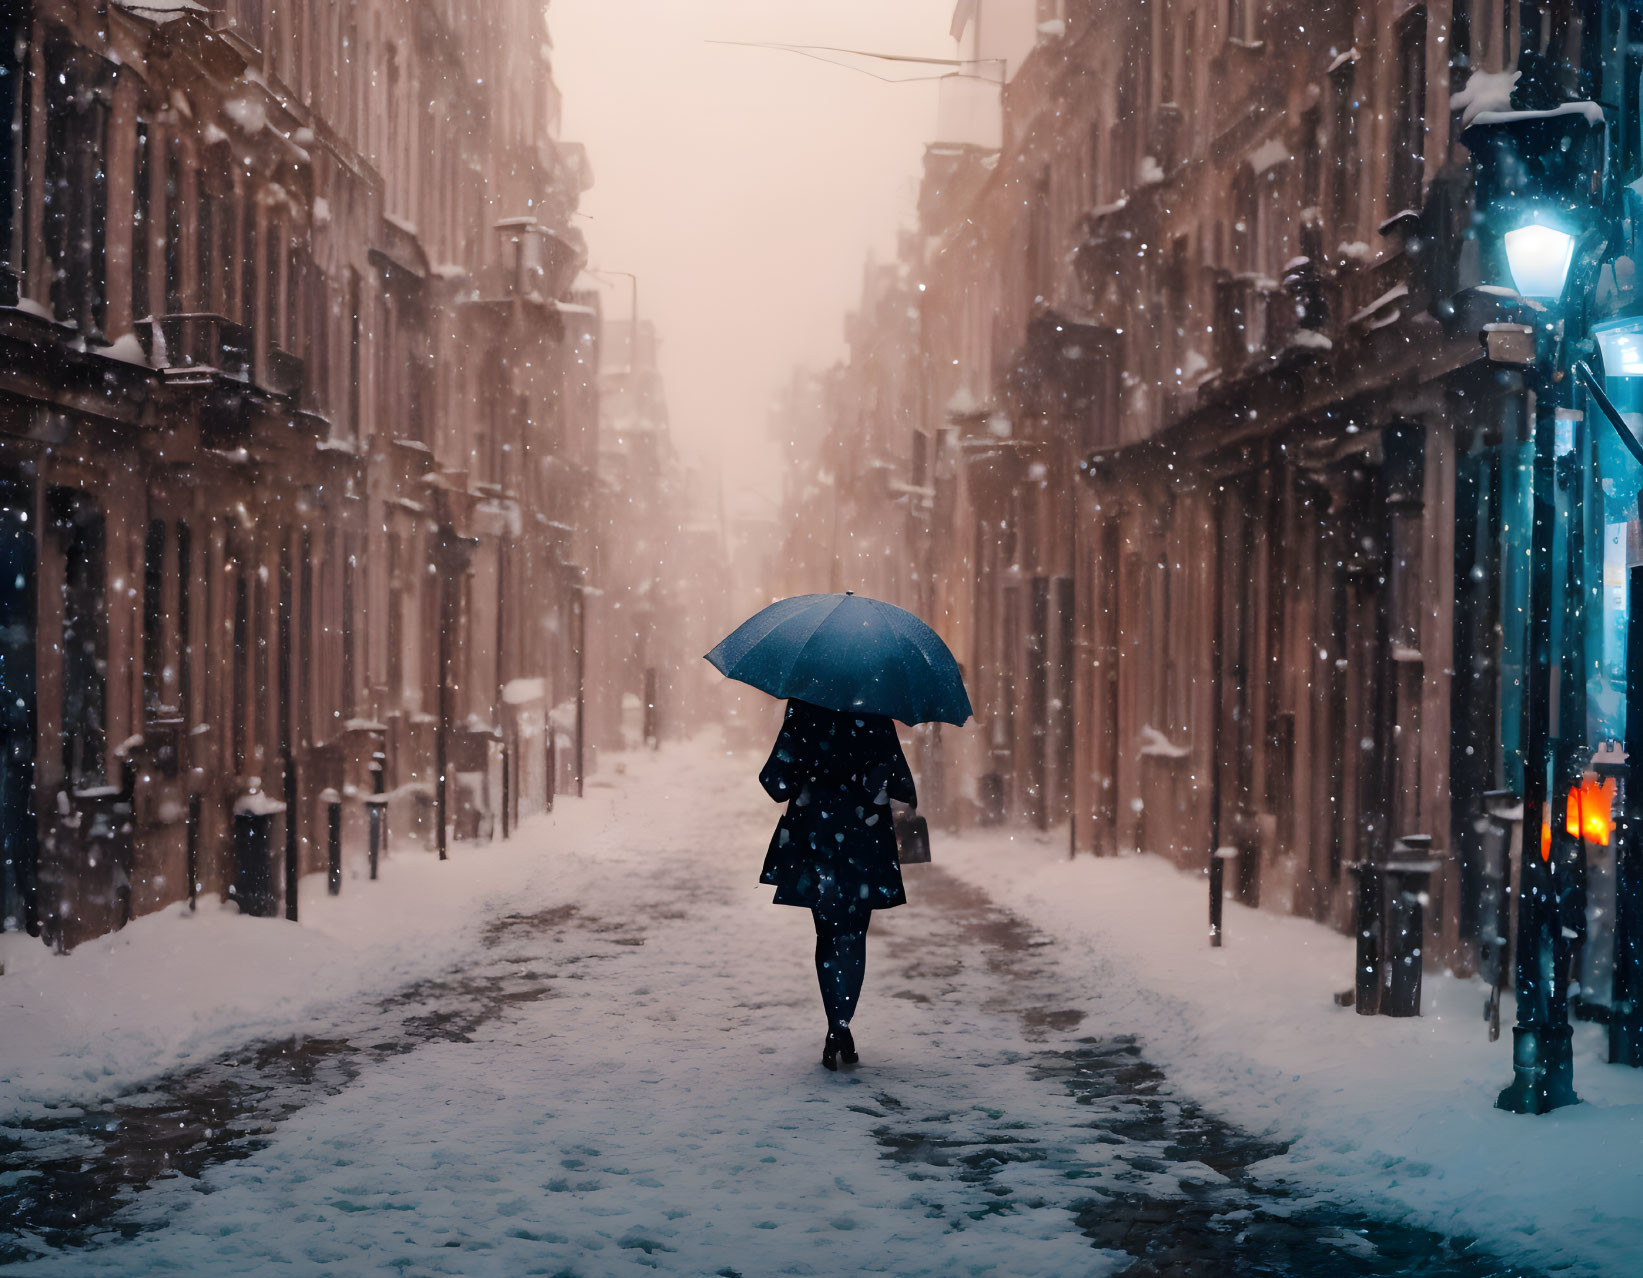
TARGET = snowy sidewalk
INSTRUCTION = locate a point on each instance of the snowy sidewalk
(176, 987)
(605, 1063)
(659, 1106)
(1395, 1115)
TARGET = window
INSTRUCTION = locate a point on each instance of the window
(1460, 45)
(80, 538)
(1312, 169)
(1095, 163)
(242, 669)
(1038, 239)
(141, 222)
(206, 218)
(185, 633)
(303, 675)
(1343, 131)
(296, 285)
(1188, 92)
(318, 307)
(245, 17)
(173, 225)
(75, 197)
(1167, 53)
(272, 267)
(1177, 285)
(399, 583)
(1245, 222)
(154, 618)
(1407, 164)
(349, 567)
(1629, 99)
(11, 80)
(248, 259)
(356, 358)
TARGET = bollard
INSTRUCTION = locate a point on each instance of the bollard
(1368, 922)
(1407, 879)
(376, 807)
(507, 793)
(333, 840)
(376, 810)
(993, 806)
(193, 852)
(552, 739)
(1217, 892)
(253, 887)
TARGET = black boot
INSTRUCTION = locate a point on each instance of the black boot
(830, 1051)
(847, 1047)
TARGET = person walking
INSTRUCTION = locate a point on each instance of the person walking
(834, 849)
(846, 666)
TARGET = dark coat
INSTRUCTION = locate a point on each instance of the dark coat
(834, 849)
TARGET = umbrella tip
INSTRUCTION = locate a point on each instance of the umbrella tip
(849, 592)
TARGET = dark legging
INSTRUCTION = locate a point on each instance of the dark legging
(841, 962)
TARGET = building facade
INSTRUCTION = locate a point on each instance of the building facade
(1219, 470)
(298, 417)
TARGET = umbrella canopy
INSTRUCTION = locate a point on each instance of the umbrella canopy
(846, 652)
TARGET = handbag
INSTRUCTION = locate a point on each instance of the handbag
(912, 838)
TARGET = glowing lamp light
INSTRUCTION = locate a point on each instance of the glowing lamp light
(1622, 345)
(1591, 810)
(1539, 258)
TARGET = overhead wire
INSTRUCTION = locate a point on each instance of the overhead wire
(815, 52)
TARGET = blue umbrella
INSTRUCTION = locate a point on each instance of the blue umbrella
(845, 652)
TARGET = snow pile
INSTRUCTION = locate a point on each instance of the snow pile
(175, 987)
(1310, 339)
(662, 1108)
(1485, 91)
(163, 8)
(1395, 1115)
(1268, 155)
(125, 348)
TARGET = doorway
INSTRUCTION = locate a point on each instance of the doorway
(19, 833)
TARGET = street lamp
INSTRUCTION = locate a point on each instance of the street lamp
(1539, 256)
(1540, 187)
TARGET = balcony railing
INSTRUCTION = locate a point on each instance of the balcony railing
(208, 343)
(281, 373)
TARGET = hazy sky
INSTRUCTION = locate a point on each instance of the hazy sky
(744, 187)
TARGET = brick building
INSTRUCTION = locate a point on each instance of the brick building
(298, 415)
(1219, 465)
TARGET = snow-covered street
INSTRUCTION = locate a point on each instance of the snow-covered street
(612, 1067)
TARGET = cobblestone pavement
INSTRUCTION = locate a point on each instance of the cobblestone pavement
(986, 1093)
(1172, 1187)
(66, 1178)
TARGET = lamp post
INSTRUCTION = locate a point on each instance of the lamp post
(633, 311)
(1542, 1060)
(1540, 178)
(452, 554)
